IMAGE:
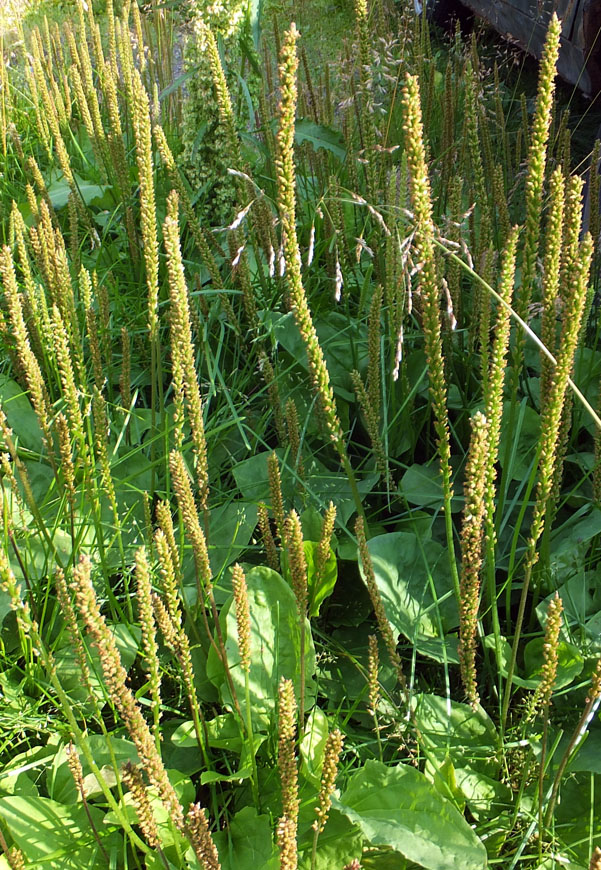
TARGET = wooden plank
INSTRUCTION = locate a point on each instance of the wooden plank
(525, 23)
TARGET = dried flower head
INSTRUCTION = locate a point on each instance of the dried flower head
(384, 625)
(286, 840)
(185, 500)
(143, 134)
(373, 666)
(550, 660)
(149, 642)
(271, 552)
(275, 491)
(294, 436)
(595, 862)
(74, 764)
(293, 536)
(594, 692)
(325, 542)
(201, 838)
(471, 552)
(242, 615)
(286, 749)
(287, 208)
(134, 781)
(115, 677)
(329, 773)
(537, 160)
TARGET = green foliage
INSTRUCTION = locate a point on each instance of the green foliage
(274, 646)
(188, 682)
(396, 806)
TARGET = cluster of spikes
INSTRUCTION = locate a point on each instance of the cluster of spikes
(57, 316)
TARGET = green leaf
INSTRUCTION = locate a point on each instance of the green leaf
(319, 136)
(274, 646)
(338, 844)
(127, 638)
(223, 732)
(398, 807)
(5, 605)
(457, 731)
(319, 587)
(311, 522)
(342, 674)
(209, 776)
(421, 485)
(558, 862)
(19, 783)
(320, 482)
(469, 740)
(59, 191)
(581, 598)
(20, 415)
(343, 341)
(51, 834)
(313, 744)
(256, 12)
(523, 440)
(177, 83)
(154, 861)
(578, 814)
(569, 662)
(442, 776)
(415, 583)
(570, 542)
(60, 783)
(231, 528)
(588, 756)
(384, 859)
(248, 843)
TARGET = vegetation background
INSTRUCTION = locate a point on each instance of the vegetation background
(300, 443)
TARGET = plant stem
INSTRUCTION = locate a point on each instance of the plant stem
(579, 732)
(250, 737)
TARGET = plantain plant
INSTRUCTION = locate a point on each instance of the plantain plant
(299, 465)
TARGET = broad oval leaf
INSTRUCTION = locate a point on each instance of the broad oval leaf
(274, 646)
(569, 662)
(60, 782)
(319, 136)
(53, 835)
(469, 740)
(456, 730)
(21, 417)
(398, 807)
(247, 843)
(323, 484)
(313, 744)
(415, 584)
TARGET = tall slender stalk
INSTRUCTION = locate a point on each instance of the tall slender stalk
(550, 427)
(429, 287)
(143, 134)
(494, 413)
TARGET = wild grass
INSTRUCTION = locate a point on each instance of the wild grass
(301, 507)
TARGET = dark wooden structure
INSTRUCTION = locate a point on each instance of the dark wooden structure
(525, 22)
